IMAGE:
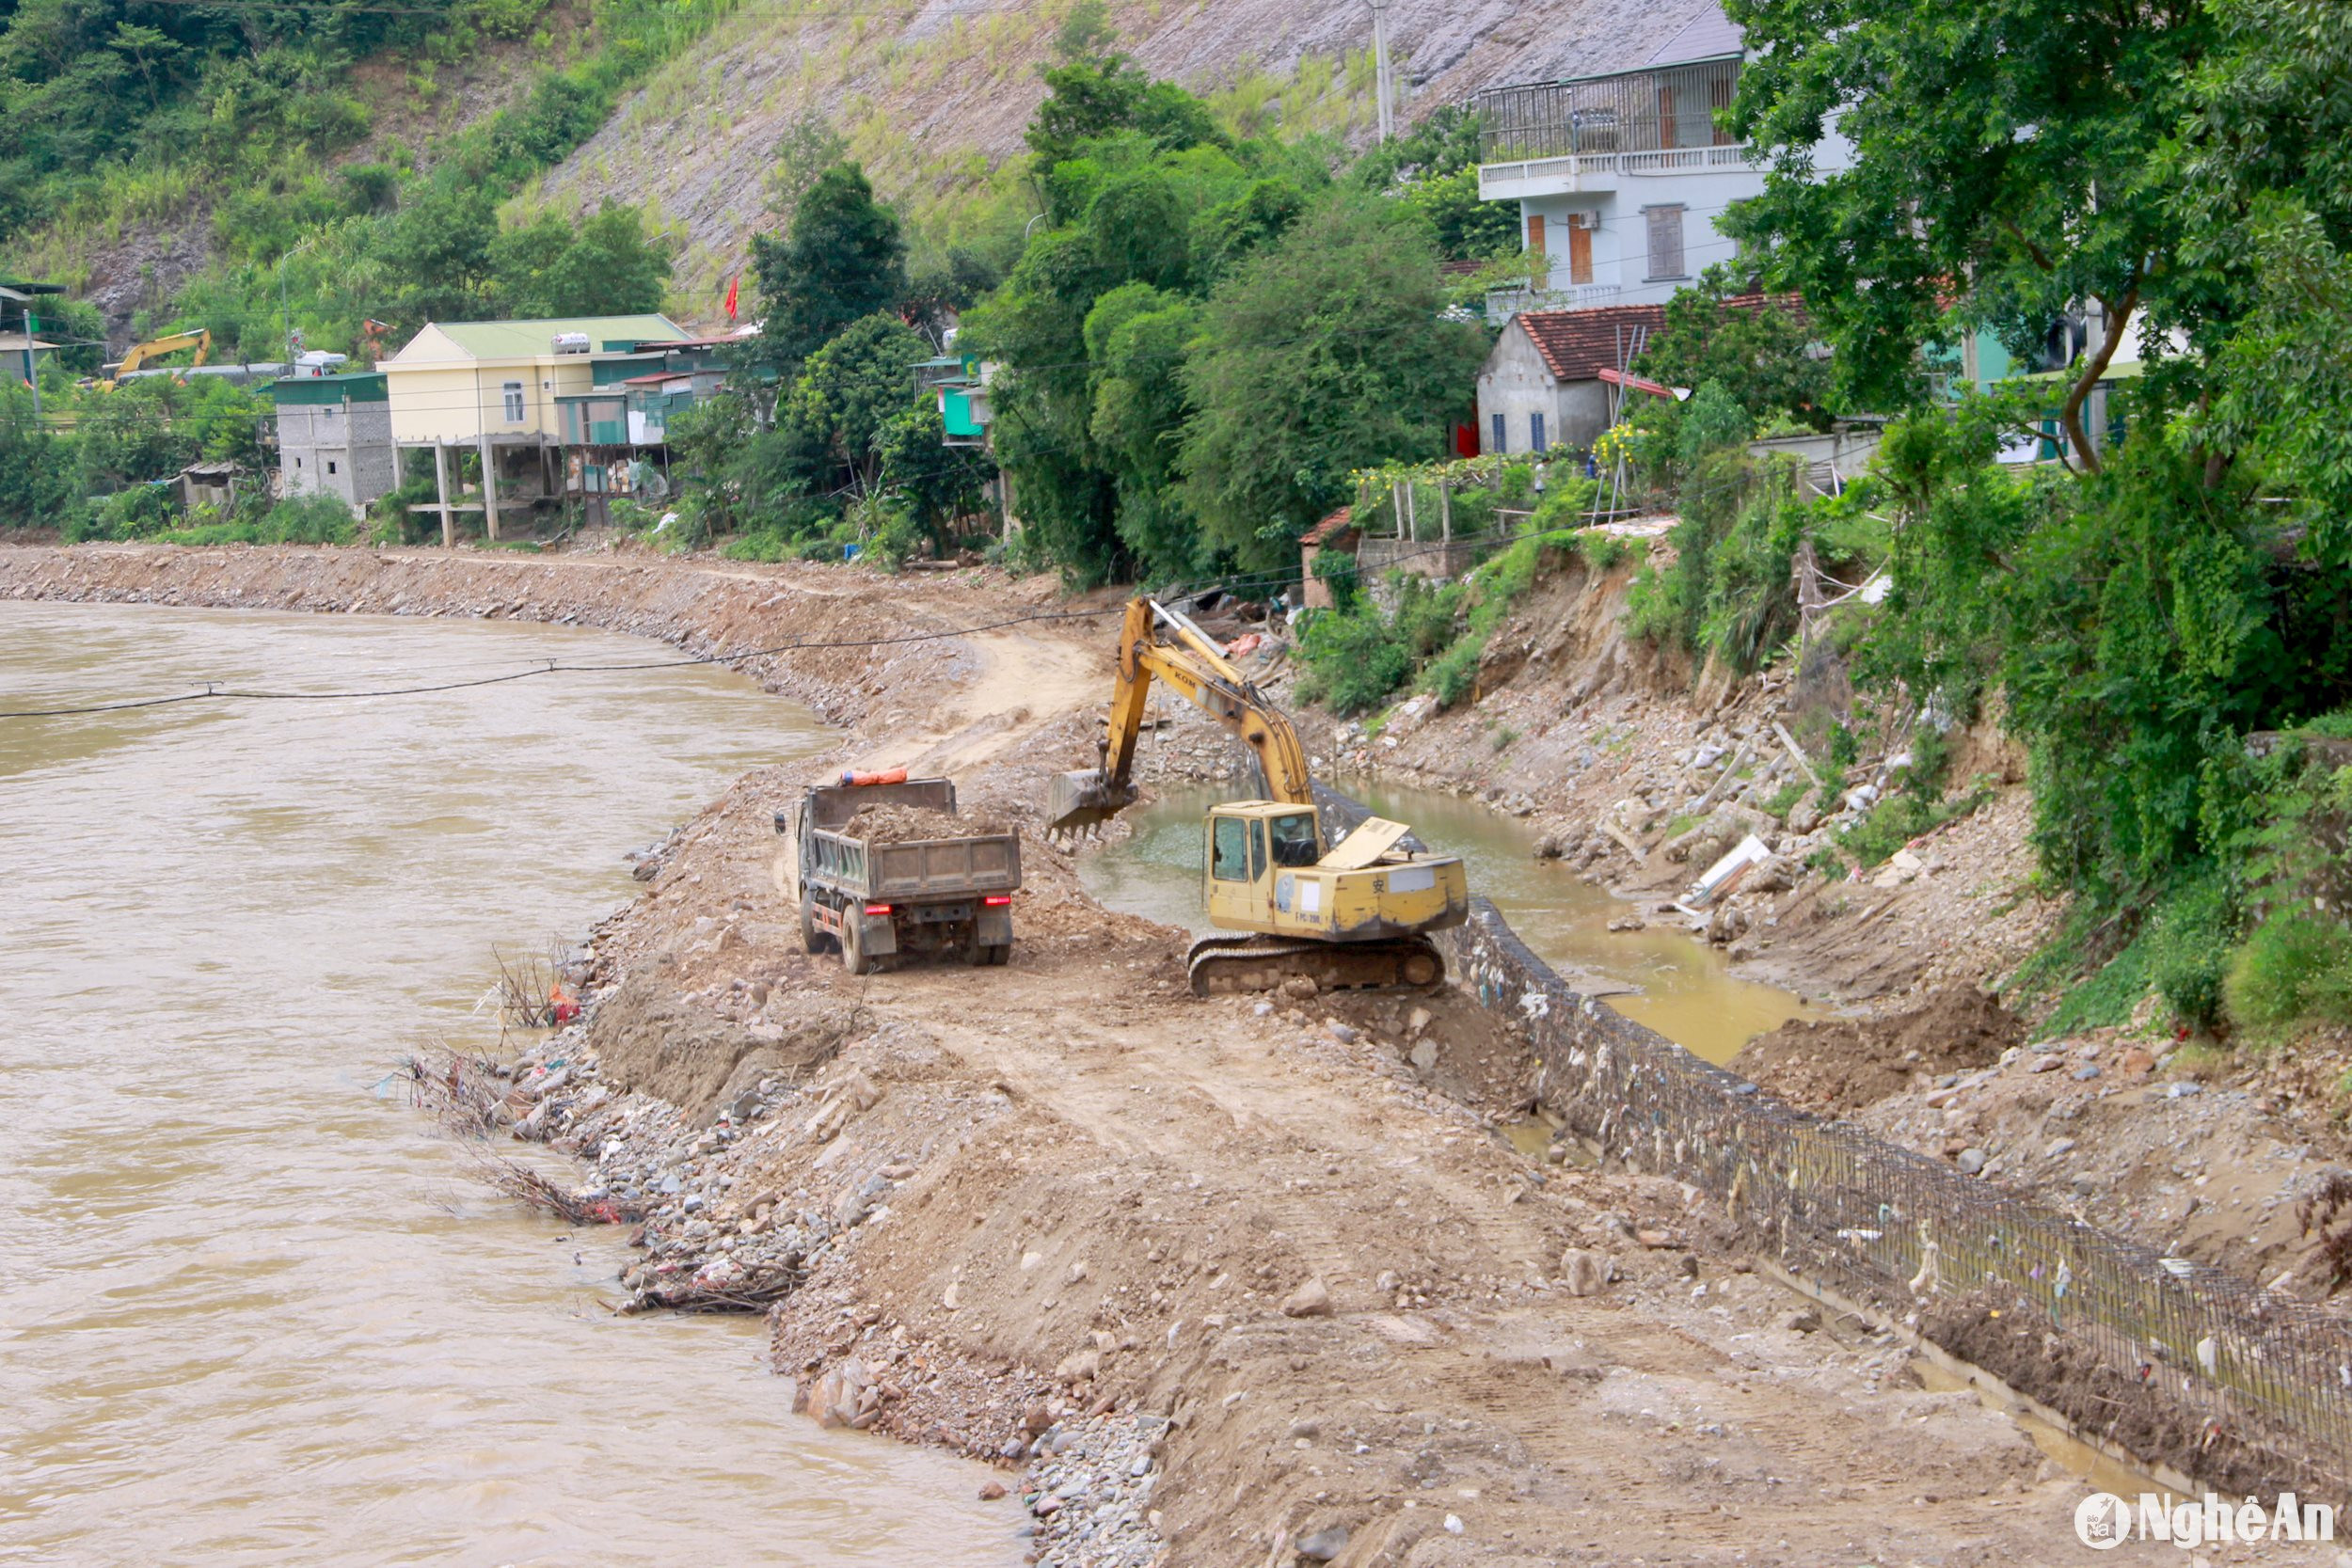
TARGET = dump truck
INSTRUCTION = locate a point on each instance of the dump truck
(877, 875)
(1345, 911)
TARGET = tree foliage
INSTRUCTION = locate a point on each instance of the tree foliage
(844, 259)
(1326, 354)
(2006, 170)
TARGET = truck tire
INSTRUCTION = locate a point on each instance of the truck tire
(980, 955)
(812, 940)
(1001, 954)
(853, 956)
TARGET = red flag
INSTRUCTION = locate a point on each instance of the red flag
(732, 284)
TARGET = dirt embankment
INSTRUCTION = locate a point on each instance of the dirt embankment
(1220, 1281)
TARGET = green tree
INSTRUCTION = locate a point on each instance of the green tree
(437, 253)
(1325, 355)
(2264, 194)
(843, 258)
(603, 265)
(852, 388)
(1758, 349)
(1135, 335)
(1086, 100)
(2005, 159)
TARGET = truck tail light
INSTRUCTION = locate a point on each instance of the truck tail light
(877, 909)
(997, 900)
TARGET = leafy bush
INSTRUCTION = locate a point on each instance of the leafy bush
(2188, 950)
(1898, 818)
(1354, 657)
(2296, 969)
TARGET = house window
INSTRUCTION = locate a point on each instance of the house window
(297, 462)
(1535, 441)
(330, 461)
(514, 403)
(1501, 443)
(1665, 241)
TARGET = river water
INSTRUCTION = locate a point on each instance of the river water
(252, 1309)
(1680, 987)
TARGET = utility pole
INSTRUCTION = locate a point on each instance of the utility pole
(1383, 86)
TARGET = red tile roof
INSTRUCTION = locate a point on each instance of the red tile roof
(1576, 344)
(1328, 531)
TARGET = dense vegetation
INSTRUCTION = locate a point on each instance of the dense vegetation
(2163, 622)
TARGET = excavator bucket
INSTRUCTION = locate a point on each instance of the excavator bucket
(1083, 798)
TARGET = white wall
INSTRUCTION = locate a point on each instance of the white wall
(1516, 383)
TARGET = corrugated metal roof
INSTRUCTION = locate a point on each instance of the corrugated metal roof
(358, 386)
(523, 339)
(1708, 36)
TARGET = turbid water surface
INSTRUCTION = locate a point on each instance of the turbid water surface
(253, 1310)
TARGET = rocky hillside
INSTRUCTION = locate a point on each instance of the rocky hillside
(932, 102)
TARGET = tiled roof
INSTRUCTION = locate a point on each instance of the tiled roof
(1576, 344)
(1329, 530)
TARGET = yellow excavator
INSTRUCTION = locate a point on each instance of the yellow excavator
(1351, 914)
(200, 340)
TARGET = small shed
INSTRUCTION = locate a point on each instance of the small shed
(211, 485)
(1335, 532)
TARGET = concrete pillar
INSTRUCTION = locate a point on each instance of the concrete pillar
(440, 479)
(489, 488)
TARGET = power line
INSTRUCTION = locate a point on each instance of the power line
(215, 691)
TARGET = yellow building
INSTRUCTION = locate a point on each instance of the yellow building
(492, 386)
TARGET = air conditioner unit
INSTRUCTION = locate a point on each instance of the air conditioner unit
(571, 342)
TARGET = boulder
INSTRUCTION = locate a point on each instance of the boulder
(1587, 1272)
(1311, 1300)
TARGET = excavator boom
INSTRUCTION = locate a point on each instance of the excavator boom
(1159, 643)
(201, 339)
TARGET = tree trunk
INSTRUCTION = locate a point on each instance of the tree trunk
(2119, 314)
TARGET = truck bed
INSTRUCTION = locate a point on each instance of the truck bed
(912, 871)
(926, 868)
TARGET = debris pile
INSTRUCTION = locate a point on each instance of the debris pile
(883, 823)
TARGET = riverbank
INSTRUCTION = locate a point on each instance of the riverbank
(1067, 1216)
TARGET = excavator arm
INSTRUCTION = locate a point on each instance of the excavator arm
(200, 340)
(1156, 643)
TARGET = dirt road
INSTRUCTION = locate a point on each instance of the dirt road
(1217, 1274)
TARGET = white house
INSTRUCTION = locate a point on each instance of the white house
(1621, 176)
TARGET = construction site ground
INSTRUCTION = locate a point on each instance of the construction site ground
(1208, 1277)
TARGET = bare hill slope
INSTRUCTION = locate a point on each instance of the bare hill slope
(930, 101)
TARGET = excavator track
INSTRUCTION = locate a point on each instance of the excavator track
(1237, 965)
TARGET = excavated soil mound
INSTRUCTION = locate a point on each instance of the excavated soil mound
(891, 824)
(1841, 1066)
(653, 1039)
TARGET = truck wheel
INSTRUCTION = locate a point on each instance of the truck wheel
(812, 940)
(853, 956)
(998, 954)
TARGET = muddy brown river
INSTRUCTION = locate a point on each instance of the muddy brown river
(253, 1310)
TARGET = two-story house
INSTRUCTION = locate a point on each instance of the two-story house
(1621, 176)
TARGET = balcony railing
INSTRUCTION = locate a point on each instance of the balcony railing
(1669, 110)
(1513, 298)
